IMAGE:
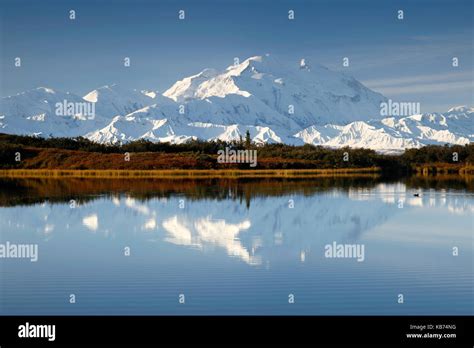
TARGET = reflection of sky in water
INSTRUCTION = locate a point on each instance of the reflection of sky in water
(238, 260)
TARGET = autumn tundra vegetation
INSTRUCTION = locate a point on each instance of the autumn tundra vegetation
(35, 153)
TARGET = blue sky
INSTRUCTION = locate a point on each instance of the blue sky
(407, 60)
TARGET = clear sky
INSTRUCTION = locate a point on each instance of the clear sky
(406, 60)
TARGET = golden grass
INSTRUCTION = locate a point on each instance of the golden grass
(444, 168)
(467, 170)
(182, 173)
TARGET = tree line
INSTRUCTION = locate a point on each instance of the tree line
(273, 155)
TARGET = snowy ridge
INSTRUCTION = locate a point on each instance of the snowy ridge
(114, 100)
(317, 94)
(293, 103)
(396, 134)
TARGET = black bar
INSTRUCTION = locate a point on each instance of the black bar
(261, 330)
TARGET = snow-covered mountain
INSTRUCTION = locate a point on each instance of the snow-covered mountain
(115, 100)
(34, 113)
(297, 93)
(397, 133)
(293, 103)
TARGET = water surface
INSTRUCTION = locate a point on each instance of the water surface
(238, 246)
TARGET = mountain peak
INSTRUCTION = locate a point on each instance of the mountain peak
(460, 108)
(94, 95)
(112, 100)
(314, 94)
(46, 90)
(279, 101)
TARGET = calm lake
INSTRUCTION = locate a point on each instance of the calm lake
(229, 247)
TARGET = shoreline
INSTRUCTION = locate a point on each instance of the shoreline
(183, 173)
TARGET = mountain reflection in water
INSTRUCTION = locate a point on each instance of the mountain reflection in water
(239, 246)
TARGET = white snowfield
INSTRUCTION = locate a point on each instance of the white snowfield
(293, 103)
